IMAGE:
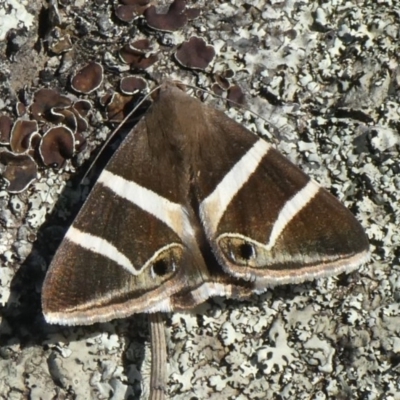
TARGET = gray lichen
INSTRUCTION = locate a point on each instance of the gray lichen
(325, 76)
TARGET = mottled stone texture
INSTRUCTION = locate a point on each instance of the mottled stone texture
(325, 76)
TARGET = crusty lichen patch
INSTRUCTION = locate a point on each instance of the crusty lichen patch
(326, 78)
(14, 15)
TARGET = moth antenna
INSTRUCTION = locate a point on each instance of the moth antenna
(107, 141)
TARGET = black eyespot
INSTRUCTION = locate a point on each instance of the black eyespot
(161, 268)
(246, 251)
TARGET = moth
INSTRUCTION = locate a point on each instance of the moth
(193, 205)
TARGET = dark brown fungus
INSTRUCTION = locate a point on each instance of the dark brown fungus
(222, 81)
(59, 42)
(141, 45)
(5, 129)
(34, 145)
(20, 109)
(223, 78)
(18, 170)
(128, 12)
(21, 135)
(74, 116)
(46, 99)
(83, 107)
(132, 85)
(57, 145)
(236, 95)
(137, 58)
(81, 122)
(88, 78)
(216, 88)
(80, 142)
(195, 53)
(292, 33)
(128, 54)
(118, 107)
(138, 3)
(106, 98)
(174, 19)
(229, 73)
(65, 116)
(192, 13)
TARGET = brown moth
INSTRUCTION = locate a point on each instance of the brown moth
(193, 205)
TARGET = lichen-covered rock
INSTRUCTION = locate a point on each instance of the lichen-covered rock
(325, 78)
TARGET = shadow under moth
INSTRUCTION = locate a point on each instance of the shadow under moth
(193, 205)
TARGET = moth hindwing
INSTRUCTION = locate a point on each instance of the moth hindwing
(193, 205)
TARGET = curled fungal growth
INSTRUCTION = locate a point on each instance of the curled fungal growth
(88, 78)
(195, 53)
(174, 19)
(22, 134)
(57, 145)
(19, 171)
